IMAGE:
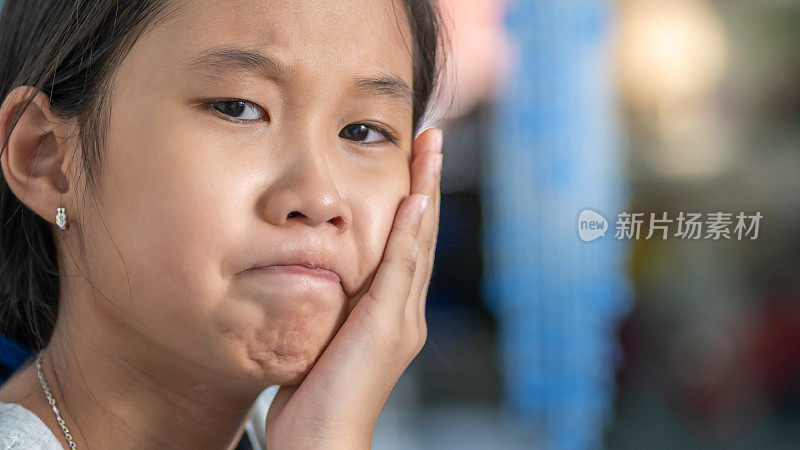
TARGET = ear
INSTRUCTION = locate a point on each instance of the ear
(33, 161)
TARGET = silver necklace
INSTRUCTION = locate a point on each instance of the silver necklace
(52, 401)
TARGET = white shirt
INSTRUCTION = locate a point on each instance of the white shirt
(20, 428)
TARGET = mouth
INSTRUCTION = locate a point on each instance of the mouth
(297, 269)
(310, 260)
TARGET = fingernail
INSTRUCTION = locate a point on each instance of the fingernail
(438, 164)
(423, 205)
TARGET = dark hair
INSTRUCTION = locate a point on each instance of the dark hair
(69, 49)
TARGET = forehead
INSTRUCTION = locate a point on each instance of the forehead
(315, 38)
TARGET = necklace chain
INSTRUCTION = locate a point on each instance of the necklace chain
(52, 401)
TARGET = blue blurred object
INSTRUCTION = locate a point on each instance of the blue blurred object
(11, 357)
(556, 151)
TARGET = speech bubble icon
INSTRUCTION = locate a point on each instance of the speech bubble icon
(591, 225)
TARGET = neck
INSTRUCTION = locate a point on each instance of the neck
(124, 396)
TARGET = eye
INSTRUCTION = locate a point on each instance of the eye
(366, 134)
(240, 110)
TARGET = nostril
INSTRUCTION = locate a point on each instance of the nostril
(295, 214)
(337, 221)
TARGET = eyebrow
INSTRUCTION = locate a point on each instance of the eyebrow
(225, 59)
(390, 85)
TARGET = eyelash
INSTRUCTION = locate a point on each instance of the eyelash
(385, 132)
(209, 105)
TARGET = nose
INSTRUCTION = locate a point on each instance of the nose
(307, 192)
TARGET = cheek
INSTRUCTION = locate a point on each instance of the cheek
(170, 201)
(168, 209)
(375, 212)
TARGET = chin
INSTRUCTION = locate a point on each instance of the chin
(284, 350)
(274, 340)
(282, 367)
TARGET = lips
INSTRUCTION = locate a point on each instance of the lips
(314, 258)
(307, 269)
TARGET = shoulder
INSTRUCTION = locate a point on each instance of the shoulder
(22, 429)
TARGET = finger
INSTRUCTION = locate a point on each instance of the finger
(391, 285)
(425, 174)
(431, 255)
(425, 150)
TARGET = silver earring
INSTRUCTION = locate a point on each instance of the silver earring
(61, 218)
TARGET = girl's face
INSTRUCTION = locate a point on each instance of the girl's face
(241, 134)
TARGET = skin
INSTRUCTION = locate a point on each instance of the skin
(162, 339)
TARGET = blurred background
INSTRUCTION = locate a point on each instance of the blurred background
(538, 339)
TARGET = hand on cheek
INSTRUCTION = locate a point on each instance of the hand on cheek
(339, 401)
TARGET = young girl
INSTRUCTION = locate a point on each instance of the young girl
(202, 199)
